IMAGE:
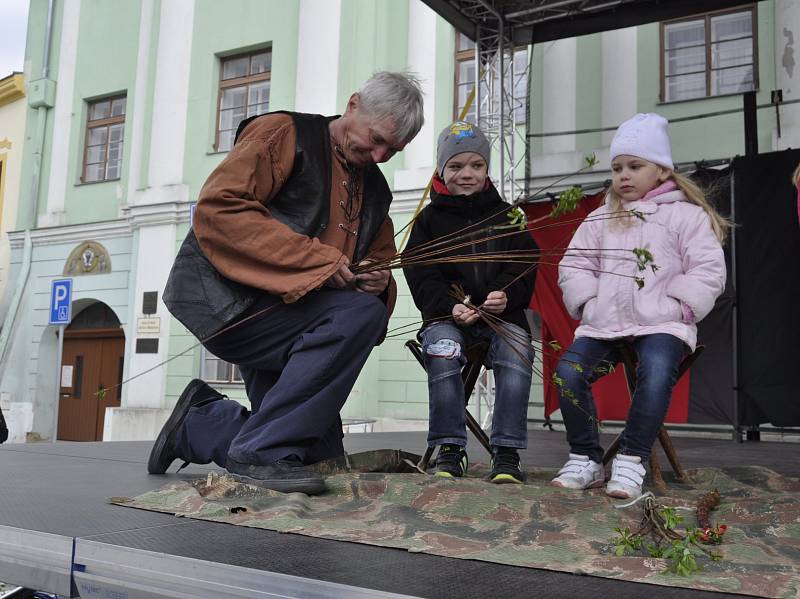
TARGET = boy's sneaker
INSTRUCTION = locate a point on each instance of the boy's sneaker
(627, 475)
(580, 472)
(505, 466)
(451, 462)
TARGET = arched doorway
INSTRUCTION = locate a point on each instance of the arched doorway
(94, 346)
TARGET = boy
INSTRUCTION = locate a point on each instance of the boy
(463, 200)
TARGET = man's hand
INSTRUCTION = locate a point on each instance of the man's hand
(342, 278)
(372, 282)
(464, 316)
(496, 302)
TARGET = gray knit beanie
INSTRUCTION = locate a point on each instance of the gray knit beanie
(460, 137)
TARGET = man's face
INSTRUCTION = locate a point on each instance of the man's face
(367, 139)
(633, 177)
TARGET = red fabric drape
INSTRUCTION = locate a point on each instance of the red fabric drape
(610, 392)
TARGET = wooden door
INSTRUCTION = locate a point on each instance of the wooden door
(91, 363)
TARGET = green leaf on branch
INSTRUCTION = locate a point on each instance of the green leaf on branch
(626, 541)
(568, 201)
(516, 217)
(639, 282)
(590, 160)
(555, 345)
(681, 558)
(671, 517)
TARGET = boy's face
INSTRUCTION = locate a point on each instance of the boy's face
(633, 177)
(465, 173)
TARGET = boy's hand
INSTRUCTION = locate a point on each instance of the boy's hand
(464, 316)
(496, 302)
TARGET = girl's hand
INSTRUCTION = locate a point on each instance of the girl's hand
(496, 302)
(464, 316)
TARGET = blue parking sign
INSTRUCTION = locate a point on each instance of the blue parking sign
(61, 301)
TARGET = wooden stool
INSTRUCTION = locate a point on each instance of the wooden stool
(629, 361)
(475, 354)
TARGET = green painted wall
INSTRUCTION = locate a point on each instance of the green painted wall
(225, 28)
(105, 67)
(373, 37)
(589, 105)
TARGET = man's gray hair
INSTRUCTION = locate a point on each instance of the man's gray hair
(395, 95)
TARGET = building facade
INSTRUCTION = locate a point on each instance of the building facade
(12, 139)
(131, 104)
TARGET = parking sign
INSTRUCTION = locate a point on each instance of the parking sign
(61, 301)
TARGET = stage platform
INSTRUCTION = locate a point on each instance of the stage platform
(59, 534)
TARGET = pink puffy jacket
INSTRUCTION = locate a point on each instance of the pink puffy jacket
(691, 270)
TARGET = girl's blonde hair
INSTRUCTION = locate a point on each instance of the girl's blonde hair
(796, 177)
(694, 194)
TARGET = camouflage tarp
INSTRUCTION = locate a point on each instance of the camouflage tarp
(532, 525)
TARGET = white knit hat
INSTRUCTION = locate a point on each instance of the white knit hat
(644, 136)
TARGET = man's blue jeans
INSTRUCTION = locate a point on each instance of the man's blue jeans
(586, 360)
(299, 362)
(443, 350)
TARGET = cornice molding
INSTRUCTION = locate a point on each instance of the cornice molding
(71, 234)
(164, 213)
(12, 88)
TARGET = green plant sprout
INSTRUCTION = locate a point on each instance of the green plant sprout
(517, 218)
(680, 549)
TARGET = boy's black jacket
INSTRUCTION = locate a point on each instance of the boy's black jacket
(446, 214)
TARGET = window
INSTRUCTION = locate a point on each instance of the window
(465, 80)
(465, 75)
(243, 92)
(219, 371)
(709, 55)
(105, 127)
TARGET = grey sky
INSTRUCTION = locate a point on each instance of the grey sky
(13, 27)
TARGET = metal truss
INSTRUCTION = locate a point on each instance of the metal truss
(497, 105)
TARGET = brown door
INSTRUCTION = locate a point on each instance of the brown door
(91, 364)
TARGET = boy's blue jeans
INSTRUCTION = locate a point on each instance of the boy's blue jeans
(659, 357)
(443, 350)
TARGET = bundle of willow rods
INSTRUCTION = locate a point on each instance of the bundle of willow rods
(444, 250)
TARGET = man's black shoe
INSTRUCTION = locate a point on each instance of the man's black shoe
(288, 475)
(163, 452)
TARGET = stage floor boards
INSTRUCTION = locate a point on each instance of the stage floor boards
(56, 495)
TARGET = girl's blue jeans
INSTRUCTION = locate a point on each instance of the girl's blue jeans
(443, 350)
(588, 359)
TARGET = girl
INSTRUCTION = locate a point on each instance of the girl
(462, 195)
(684, 233)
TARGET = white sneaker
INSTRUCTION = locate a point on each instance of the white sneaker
(580, 473)
(627, 475)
